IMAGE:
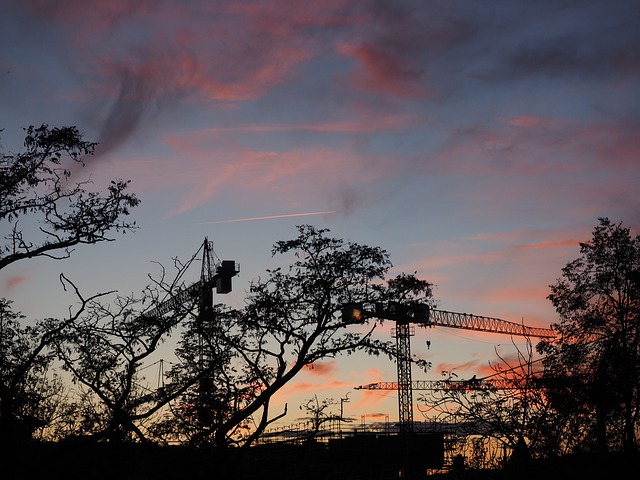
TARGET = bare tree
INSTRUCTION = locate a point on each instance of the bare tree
(319, 413)
(507, 410)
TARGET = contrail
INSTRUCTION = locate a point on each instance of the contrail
(269, 217)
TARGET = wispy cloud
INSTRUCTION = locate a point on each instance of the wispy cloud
(15, 281)
(323, 369)
(379, 123)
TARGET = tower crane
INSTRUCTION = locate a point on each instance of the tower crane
(460, 385)
(213, 276)
(421, 314)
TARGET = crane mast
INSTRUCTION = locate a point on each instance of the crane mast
(213, 276)
(421, 314)
(403, 333)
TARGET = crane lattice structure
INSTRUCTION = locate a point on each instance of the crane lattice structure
(421, 314)
(214, 275)
(456, 385)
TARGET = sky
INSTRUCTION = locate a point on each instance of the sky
(477, 142)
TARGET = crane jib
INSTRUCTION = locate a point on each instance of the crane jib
(405, 314)
(485, 324)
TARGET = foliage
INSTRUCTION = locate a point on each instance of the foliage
(594, 367)
(45, 212)
(292, 319)
(230, 363)
(105, 350)
(586, 396)
(210, 383)
(23, 386)
(37, 184)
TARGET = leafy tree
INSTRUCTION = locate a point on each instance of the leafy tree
(593, 368)
(37, 184)
(23, 365)
(292, 318)
(208, 379)
(45, 213)
(230, 363)
(31, 391)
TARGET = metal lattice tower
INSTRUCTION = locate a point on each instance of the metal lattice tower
(422, 314)
(213, 275)
(403, 333)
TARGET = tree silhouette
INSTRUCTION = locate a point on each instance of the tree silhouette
(593, 369)
(36, 185)
(45, 214)
(506, 409)
(24, 389)
(107, 347)
(291, 319)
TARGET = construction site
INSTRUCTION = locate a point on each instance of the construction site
(401, 447)
(323, 446)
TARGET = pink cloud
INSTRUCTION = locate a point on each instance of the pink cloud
(366, 124)
(295, 393)
(323, 369)
(462, 370)
(482, 274)
(373, 374)
(302, 386)
(384, 72)
(87, 16)
(373, 398)
(524, 121)
(535, 146)
(175, 70)
(557, 244)
(516, 238)
(376, 416)
(225, 51)
(16, 281)
(614, 144)
(214, 163)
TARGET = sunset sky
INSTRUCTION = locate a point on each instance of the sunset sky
(477, 142)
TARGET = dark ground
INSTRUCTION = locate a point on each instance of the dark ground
(75, 461)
